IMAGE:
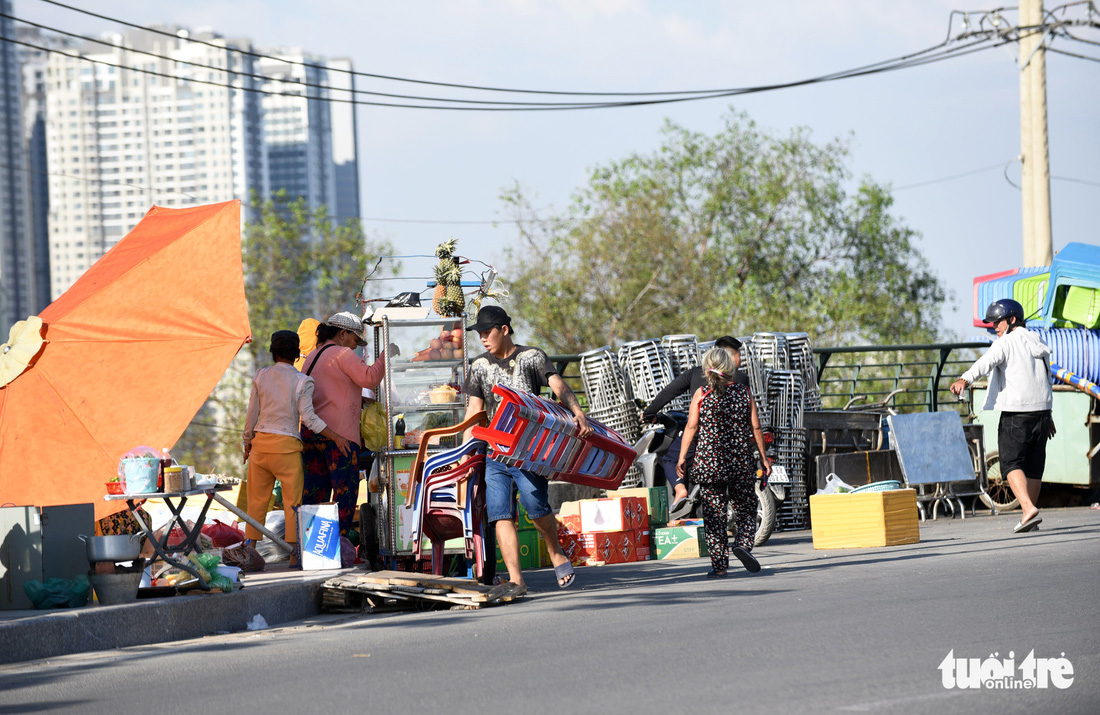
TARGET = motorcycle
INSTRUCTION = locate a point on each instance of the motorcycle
(656, 439)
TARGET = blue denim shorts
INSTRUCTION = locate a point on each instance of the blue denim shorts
(501, 484)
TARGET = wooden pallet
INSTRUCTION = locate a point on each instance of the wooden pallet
(392, 590)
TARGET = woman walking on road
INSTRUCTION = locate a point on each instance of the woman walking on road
(723, 415)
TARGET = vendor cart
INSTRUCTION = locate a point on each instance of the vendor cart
(427, 390)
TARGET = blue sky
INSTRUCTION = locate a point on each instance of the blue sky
(907, 127)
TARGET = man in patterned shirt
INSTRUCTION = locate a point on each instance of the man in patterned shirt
(527, 369)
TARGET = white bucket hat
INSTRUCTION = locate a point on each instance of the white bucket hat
(350, 322)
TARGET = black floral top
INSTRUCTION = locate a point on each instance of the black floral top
(724, 451)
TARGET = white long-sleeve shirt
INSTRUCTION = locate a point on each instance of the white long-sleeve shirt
(281, 398)
(1018, 366)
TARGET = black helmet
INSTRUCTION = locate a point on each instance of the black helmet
(1004, 308)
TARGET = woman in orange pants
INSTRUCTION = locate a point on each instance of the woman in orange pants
(281, 398)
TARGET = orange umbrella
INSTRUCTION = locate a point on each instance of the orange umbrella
(132, 350)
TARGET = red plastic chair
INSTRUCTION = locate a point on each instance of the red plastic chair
(449, 501)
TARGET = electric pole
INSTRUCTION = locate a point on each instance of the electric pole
(1034, 147)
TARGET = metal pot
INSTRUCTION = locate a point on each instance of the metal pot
(113, 548)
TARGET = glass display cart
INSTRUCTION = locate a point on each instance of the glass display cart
(425, 386)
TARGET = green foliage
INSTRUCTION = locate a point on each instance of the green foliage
(298, 264)
(724, 234)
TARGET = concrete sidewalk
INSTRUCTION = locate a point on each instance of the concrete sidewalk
(279, 594)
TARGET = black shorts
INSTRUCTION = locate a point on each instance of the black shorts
(1022, 442)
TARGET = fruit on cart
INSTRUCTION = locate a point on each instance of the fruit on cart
(448, 298)
(448, 346)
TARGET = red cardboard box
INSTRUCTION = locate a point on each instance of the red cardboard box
(573, 547)
(609, 515)
(612, 547)
(642, 546)
(570, 521)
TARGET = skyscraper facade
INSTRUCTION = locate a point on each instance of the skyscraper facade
(126, 130)
(17, 274)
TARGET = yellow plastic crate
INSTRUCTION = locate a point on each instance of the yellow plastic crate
(853, 521)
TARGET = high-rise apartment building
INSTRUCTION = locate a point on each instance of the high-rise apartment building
(17, 274)
(34, 54)
(127, 130)
(310, 140)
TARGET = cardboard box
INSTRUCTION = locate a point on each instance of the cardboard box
(643, 545)
(656, 501)
(620, 514)
(531, 548)
(571, 521)
(611, 547)
(679, 542)
(852, 521)
(523, 522)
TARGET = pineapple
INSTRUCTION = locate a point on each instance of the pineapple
(448, 299)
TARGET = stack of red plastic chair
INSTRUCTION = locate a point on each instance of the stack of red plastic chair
(448, 497)
(542, 437)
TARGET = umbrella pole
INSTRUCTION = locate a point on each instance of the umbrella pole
(244, 515)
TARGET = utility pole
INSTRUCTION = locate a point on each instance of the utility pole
(1034, 147)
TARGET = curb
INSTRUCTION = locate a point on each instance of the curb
(152, 621)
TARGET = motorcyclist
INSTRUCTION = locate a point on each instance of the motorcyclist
(688, 382)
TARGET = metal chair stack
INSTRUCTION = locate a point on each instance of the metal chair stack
(757, 372)
(647, 367)
(802, 359)
(604, 382)
(772, 349)
(611, 399)
(786, 400)
(683, 354)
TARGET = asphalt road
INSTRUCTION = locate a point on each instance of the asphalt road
(848, 630)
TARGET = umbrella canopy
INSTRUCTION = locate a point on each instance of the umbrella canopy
(132, 350)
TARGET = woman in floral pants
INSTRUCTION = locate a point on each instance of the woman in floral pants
(723, 415)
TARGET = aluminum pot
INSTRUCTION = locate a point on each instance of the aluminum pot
(121, 547)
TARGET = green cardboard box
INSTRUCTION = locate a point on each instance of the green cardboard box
(656, 499)
(530, 552)
(523, 522)
(679, 542)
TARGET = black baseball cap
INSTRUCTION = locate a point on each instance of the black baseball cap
(490, 317)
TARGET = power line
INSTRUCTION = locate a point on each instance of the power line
(1073, 54)
(354, 73)
(952, 177)
(947, 54)
(1077, 181)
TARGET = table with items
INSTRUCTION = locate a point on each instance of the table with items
(176, 554)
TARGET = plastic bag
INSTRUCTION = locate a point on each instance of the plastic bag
(222, 535)
(372, 426)
(246, 558)
(59, 592)
(835, 485)
(347, 553)
(275, 522)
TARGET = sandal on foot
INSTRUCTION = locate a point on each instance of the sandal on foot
(747, 560)
(714, 574)
(565, 572)
(1025, 526)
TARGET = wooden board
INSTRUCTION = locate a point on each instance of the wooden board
(409, 587)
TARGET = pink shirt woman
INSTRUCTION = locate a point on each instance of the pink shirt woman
(332, 465)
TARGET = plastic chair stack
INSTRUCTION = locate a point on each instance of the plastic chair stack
(448, 497)
(541, 436)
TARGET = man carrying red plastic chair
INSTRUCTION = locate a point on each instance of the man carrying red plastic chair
(527, 369)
